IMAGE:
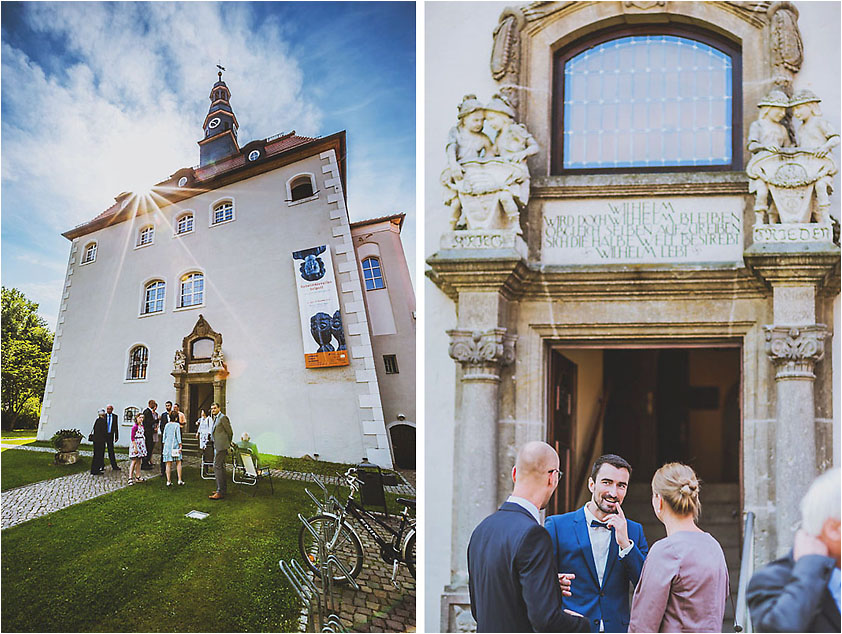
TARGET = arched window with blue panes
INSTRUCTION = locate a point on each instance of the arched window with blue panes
(647, 99)
(373, 274)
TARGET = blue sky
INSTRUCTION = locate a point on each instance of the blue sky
(91, 92)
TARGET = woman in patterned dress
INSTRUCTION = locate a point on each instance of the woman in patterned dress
(137, 449)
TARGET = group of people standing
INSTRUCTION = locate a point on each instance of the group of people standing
(573, 574)
(152, 430)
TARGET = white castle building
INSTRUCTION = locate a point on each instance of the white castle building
(237, 281)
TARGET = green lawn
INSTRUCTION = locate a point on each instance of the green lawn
(19, 467)
(19, 433)
(85, 446)
(130, 561)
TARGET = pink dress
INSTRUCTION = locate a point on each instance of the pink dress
(137, 449)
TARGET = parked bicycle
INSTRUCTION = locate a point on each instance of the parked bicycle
(342, 541)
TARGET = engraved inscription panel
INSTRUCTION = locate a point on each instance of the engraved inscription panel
(690, 229)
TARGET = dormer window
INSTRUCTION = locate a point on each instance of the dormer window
(145, 236)
(300, 188)
(90, 253)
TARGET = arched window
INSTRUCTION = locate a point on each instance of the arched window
(90, 253)
(184, 224)
(145, 236)
(648, 98)
(222, 212)
(138, 359)
(129, 414)
(153, 300)
(372, 274)
(192, 290)
(301, 187)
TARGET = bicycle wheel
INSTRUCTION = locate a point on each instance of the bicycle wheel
(409, 554)
(347, 547)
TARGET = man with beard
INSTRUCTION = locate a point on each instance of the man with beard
(598, 552)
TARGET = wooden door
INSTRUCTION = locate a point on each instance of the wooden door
(561, 427)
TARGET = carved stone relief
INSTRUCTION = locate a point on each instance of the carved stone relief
(482, 353)
(787, 50)
(798, 176)
(795, 351)
(505, 54)
(487, 181)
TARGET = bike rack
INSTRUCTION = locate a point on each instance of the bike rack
(321, 603)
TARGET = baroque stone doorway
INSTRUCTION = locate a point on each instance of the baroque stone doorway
(200, 371)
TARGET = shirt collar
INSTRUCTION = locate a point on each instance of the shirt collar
(529, 506)
(589, 517)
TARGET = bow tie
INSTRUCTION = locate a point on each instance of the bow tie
(595, 524)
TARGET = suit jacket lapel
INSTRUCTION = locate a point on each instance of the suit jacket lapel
(830, 609)
(580, 528)
(613, 556)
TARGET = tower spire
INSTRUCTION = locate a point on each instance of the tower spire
(220, 126)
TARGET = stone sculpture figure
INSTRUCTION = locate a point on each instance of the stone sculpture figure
(487, 184)
(513, 144)
(465, 142)
(817, 137)
(766, 137)
(179, 361)
(785, 40)
(792, 174)
(217, 359)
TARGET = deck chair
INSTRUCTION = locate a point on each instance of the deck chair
(207, 467)
(248, 469)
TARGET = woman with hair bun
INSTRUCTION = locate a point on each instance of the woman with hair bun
(684, 583)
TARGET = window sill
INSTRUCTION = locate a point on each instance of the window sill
(157, 312)
(191, 307)
(135, 380)
(292, 203)
(88, 262)
(640, 184)
(143, 246)
(223, 222)
(183, 233)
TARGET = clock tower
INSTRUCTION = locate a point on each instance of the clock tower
(220, 139)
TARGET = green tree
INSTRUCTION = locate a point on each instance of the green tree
(25, 347)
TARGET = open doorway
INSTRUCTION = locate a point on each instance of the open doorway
(200, 397)
(651, 405)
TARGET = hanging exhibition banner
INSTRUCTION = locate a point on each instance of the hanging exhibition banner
(318, 305)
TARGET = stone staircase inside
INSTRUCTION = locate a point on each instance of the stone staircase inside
(720, 517)
(190, 444)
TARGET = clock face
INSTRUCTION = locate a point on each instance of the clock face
(254, 155)
(182, 181)
(213, 122)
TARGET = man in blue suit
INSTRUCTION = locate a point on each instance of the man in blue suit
(599, 550)
(511, 573)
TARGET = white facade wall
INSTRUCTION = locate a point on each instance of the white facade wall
(250, 298)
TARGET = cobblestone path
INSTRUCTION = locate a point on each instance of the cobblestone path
(39, 498)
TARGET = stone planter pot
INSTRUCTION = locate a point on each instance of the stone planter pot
(67, 445)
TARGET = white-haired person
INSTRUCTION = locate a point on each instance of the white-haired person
(684, 582)
(800, 591)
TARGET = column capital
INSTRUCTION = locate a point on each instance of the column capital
(795, 350)
(482, 353)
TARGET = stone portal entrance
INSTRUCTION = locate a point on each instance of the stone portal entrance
(200, 372)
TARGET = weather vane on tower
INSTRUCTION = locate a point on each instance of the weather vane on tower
(221, 68)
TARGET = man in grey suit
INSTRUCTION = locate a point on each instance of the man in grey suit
(222, 437)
